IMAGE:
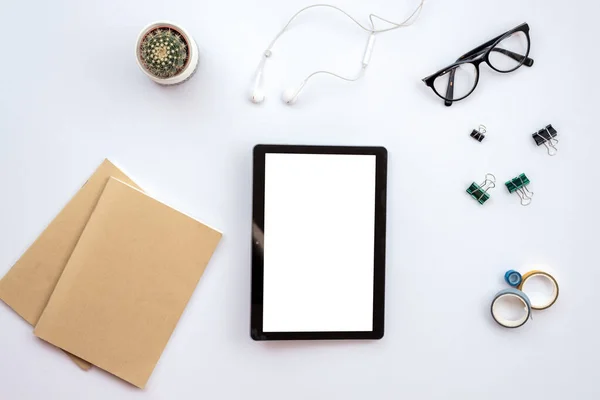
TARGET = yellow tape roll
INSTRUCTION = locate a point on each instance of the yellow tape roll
(554, 292)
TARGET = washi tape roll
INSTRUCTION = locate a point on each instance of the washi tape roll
(555, 290)
(522, 297)
(513, 278)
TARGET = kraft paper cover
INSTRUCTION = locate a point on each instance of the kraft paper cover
(127, 283)
(27, 286)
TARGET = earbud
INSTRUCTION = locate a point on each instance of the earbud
(289, 96)
(257, 96)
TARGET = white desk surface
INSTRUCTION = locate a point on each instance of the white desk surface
(72, 95)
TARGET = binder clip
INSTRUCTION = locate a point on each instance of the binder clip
(547, 137)
(519, 185)
(479, 133)
(479, 192)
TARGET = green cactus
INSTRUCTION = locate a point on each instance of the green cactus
(164, 52)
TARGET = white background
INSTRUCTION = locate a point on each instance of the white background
(72, 94)
(319, 239)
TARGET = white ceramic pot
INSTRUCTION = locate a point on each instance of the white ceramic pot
(192, 61)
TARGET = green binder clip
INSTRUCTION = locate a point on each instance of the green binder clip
(480, 192)
(519, 185)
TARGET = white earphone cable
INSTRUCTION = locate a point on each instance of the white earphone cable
(407, 22)
(353, 79)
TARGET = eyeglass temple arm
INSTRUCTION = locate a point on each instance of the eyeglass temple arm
(450, 88)
(479, 49)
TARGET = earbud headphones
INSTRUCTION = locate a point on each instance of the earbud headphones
(290, 95)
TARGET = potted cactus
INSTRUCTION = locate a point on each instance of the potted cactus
(166, 53)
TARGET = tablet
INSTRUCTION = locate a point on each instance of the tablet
(318, 242)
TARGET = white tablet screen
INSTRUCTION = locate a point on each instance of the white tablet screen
(319, 229)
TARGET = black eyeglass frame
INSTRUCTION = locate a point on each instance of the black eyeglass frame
(477, 56)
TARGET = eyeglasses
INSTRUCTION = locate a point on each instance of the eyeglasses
(504, 53)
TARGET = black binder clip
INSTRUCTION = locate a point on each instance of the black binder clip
(547, 137)
(479, 133)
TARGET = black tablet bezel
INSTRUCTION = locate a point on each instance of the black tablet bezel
(258, 219)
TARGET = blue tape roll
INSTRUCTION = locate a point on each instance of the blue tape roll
(513, 278)
(506, 322)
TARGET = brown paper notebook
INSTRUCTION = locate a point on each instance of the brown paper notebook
(127, 283)
(27, 286)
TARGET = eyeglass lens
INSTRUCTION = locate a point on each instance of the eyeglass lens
(509, 54)
(464, 77)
